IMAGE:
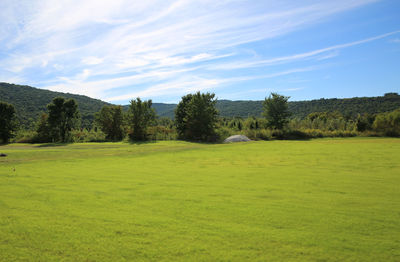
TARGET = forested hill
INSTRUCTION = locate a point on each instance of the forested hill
(30, 102)
(300, 109)
(347, 106)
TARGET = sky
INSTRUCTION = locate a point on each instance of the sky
(117, 50)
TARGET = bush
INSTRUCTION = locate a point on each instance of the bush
(392, 133)
(314, 133)
(25, 136)
(77, 136)
(80, 136)
(388, 123)
(295, 135)
(259, 134)
(224, 132)
(317, 133)
(162, 133)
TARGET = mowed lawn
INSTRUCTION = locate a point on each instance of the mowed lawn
(317, 200)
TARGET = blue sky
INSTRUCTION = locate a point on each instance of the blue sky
(117, 50)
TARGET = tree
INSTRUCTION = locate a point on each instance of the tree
(388, 123)
(196, 117)
(43, 129)
(8, 122)
(63, 117)
(276, 110)
(141, 116)
(111, 121)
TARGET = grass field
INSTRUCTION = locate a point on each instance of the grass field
(318, 200)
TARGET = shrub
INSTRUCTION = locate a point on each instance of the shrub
(84, 135)
(224, 132)
(161, 133)
(260, 134)
(25, 136)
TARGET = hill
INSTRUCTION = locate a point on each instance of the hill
(300, 109)
(347, 106)
(30, 102)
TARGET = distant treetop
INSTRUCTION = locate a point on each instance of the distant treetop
(391, 94)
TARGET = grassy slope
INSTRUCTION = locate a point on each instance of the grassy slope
(326, 200)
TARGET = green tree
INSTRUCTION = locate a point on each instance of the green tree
(181, 118)
(388, 123)
(8, 122)
(63, 117)
(141, 116)
(111, 122)
(165, 121)
(276, 111)
(196, 117)
(43, 129)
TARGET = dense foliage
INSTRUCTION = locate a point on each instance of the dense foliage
(276, 111)
(111, 121)
(315, 125)
(8, 123)
(349, 107)
(43, 129)
(63, 117)
(30, 102)
(196, 117)
(301, 109)
(140, 117)
(388, 123)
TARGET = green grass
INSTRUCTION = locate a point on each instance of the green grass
(318, 200)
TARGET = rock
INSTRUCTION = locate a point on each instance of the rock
(237, 138)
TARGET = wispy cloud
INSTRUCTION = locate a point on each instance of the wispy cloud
(319, 54)
(119, 49)
(194, 83)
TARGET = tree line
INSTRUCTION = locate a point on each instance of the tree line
(196, 119)
(29, 102)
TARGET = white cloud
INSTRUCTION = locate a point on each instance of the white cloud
(194, 84)
(92, 60)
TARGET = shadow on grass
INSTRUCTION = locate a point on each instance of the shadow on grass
(54, 144)
(142, 142)
(292, 139)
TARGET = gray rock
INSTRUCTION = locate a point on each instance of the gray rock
(237, 138)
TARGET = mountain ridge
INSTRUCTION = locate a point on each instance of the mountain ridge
(29, 102)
